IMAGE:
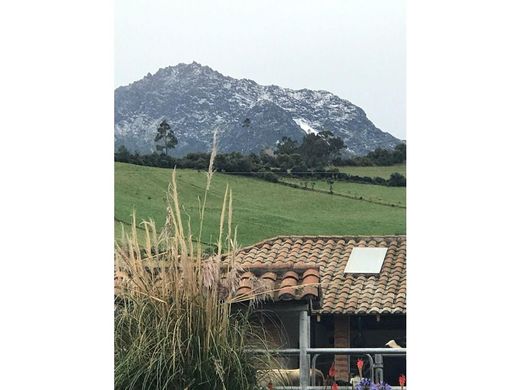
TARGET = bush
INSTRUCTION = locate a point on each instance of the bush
(174, 323)
(397, 180)
(300, 171)
(268, 176)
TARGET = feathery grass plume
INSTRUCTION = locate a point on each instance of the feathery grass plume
(175, 327)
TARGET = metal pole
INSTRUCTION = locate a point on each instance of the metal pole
(313, 369)
(304, 345)
(379, 368)
(390, 351)
(350, 351)
(371, 361)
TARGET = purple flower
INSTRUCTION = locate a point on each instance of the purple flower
(381, 386)
(365, 384)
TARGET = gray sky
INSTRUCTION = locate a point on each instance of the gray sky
(353, 48)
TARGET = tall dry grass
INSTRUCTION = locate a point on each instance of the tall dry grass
(175, 322)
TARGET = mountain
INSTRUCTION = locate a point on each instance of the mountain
(196, 99)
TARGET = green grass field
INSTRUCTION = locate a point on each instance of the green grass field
(383, 172)
(260, 209)
(383, 194)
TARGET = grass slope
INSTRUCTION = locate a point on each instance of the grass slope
(383, 194)
(383, 172)
(260, 209)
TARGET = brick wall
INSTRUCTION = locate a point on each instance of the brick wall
(342, 340)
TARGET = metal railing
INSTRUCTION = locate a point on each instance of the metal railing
(322, 387)
(305, 353)
(376, 366)
(316, 356)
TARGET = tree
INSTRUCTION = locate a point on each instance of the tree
(319, 149)
(286, 146)
(165, 139)
(399, 154)
(246, 123)
(381, 157)
(122, 154)
(331, 183)
(397, 180)
(335, 144)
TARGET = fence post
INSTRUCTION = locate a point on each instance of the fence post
(304, 344)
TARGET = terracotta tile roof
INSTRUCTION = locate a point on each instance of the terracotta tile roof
(289, 263)
(279, 284)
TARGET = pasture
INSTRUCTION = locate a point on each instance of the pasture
(383, 172)
(370, 192)
(260, 209)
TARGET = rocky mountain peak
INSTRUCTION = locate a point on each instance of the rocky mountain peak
(195, 99)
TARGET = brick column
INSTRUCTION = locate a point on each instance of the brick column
(342, 340)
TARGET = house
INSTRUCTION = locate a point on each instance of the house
(330, 292)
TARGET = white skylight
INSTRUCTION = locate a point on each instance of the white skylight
(365, 260)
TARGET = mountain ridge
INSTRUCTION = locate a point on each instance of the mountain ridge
(195, 99)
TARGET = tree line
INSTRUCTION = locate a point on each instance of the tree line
(310, 158)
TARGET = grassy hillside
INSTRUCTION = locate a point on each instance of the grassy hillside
(383, 172)
(260, 209)
(379, 194)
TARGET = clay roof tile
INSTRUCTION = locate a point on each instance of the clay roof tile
(298, 261)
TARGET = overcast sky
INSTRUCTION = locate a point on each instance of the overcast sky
(353, 48)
